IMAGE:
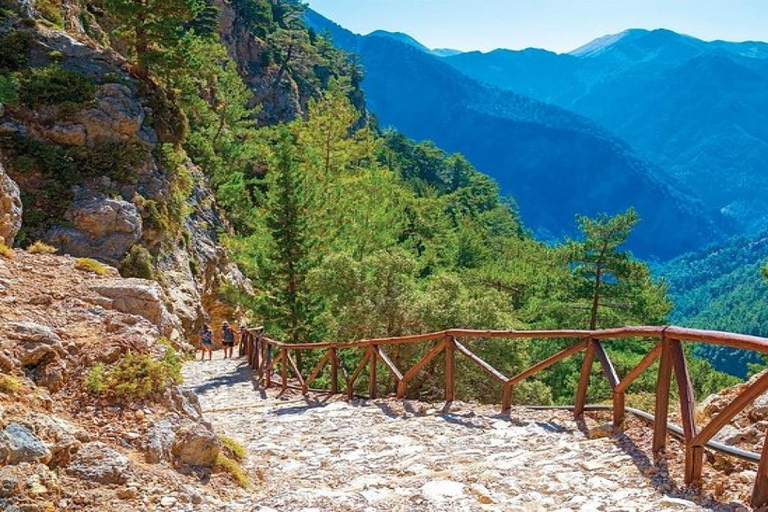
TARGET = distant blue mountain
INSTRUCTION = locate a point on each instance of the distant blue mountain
(697, 109)
(556, 164)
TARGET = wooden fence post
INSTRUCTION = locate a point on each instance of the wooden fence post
(662, 397)
(760, 490)
(694, 455)
(450, 380)
(372, 373)
(586, 371)
(284, 369)
(334, 371)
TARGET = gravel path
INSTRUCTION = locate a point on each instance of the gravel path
(391, 455)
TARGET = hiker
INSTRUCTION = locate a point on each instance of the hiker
(227, 338)
(206, 342)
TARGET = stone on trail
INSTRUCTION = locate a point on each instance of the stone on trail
(20, 445)
(97, 462)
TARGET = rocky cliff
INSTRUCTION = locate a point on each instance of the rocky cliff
(93, 151)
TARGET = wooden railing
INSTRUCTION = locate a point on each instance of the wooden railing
(266, 355)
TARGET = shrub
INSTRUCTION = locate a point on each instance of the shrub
(41, 248)
(136, 376)
(236, 449)
(15, 45)
(137, 263)
(9, 90)
(53, 85)
(91, 265)
(51, 11)
(6, 251)
(9, 384)
(227, 465)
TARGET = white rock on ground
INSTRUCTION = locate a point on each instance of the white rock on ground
(388, 455)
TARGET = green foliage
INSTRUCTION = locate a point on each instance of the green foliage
(9, 90)
(91, 265)
(51, 11)
(137, 263)
(136, 376)
(53, 85)
(40, 247)
(15, 54)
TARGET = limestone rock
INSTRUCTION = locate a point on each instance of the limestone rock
(63, 438)
(117, 114)
(96, 462)
(103, 228)
(67, 134)
(140, 297)
(195, 446)
(10, 208)
(35, 342)
(21, 445)
(159, 442)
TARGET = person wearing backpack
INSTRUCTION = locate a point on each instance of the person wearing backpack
(227, 338)
(206, 342)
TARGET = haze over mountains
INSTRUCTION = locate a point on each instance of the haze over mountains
(555, 163)
(697, 109)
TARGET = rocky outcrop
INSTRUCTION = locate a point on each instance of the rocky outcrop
(34, 343)
(102, 228)
(10, 208)
(140, 297)
(195, 446)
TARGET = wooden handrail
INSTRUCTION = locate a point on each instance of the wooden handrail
(668, 349)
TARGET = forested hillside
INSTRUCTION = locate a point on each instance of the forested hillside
(345, 231)
(697, 109)
(556, 164)
(722, 288)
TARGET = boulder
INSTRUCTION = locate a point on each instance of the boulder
(139, 297)
(159, 441)
(63, 438)
(102, 228)
(35, 343)
(10, 208)
(20, 445)
(195, 446)
(97, 462)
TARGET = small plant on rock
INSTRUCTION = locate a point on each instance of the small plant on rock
(91, 265)
(41, 248)
(9, 385)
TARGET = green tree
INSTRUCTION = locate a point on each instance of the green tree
(290, 256)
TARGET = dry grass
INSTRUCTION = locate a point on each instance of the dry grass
(41, 248)
(236, 449)
(6, 251)
(91, 265)
(227, 465)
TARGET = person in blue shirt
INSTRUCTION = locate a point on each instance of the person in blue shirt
(206, 342)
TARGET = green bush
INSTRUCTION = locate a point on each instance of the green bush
(51, 11)
(15, 54)
(9, 90)
(136, 376)
(53, 85)
(236, 449)
(6, 251)
(137, 263)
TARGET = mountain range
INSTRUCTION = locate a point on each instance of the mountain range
(556, 163)
(697, 109)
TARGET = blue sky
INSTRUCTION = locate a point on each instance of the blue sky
(558, 25)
